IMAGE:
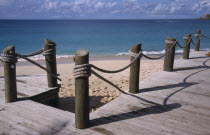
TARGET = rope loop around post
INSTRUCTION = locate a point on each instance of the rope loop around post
(8, 58)
(37, 64)
(197, 35)
(134, 54)
(155, 58)
(185, 37)
(83, 70)
(49, 52)
(170, 42)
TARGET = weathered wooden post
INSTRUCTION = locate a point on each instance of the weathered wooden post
(197, 35)
(10, 74)
(186, 51)
(82, 93)
(51, 65)
(134, 70)
(169, 57)
(50, 60)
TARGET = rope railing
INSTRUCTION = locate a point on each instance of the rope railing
(49, 52)
(84, 70)
(81, 72)
(34, 53)
(37, 64)
(119, 70)
(196, 41)
(205, 36)
(13, 58)
(189, 41)
(180, 45)
(41, 51)
(9, 57)
(155, 58)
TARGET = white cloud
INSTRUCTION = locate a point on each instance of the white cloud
(201, 5)
(97, 8)
(4, 2)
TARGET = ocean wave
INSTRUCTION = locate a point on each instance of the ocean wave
(145, 52)
(41, 57)
(159, 52)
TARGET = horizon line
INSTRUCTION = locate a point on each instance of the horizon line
(111, 19)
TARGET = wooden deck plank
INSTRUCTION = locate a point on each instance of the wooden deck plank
(137, 105)
(38, 108)
(17, 125)
(51, 125)
(192, 117)
(8, 129)
(185, 90)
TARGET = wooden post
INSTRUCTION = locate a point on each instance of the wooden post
(82, 93)
(134, 71)
(186, 51)
(169, 58)
(197, 35)
(50, 60)
(10, 77)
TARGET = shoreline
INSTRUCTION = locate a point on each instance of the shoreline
(69, 60)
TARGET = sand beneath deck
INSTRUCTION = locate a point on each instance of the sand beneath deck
(100, 92)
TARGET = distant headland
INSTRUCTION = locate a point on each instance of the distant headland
(206, 17)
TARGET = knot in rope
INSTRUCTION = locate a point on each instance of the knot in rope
(134, 54)
(8, 58)
(197, 35)
(83, 70)
(49, 52)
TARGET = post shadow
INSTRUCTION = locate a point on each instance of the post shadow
(167, 87)
(190, 68)
(139, 112)
(199, 57)
(68, 103)
(157, 108)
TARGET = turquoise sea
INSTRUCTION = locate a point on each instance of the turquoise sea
(100, 37)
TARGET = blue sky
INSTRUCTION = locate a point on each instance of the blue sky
(103, 9)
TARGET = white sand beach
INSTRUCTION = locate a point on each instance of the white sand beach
(100, 92)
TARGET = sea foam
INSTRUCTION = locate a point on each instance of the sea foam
(41, 57)
(159, 52)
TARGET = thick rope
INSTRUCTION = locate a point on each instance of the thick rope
(35, 63)
(34, 53)
(49, 52)
(107, 81)
(84, 70)
(180, 45)
(119, 70)
(155, 58)
(205, 36)
(194, 42)
(133, 54)
(45, 52)
(190, 38)
(8, 58)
